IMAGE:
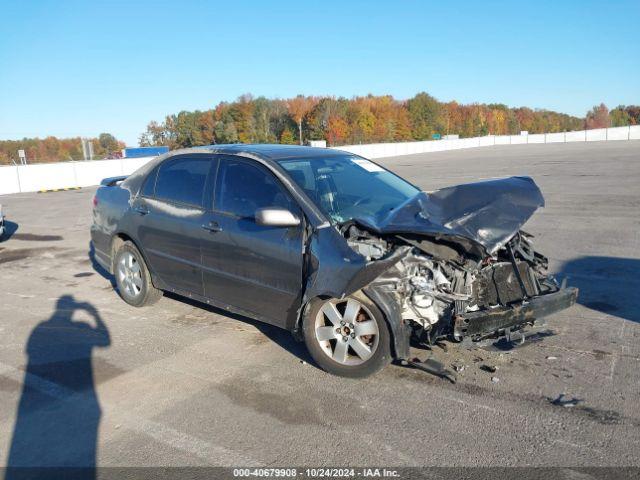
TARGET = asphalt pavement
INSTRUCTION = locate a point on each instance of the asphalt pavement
(183, 384)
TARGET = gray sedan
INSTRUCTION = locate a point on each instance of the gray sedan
(342, 252)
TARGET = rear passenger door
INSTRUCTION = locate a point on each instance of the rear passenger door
(254, 268)
(171, 213)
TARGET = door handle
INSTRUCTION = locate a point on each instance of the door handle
(141, 210)
(212, 227)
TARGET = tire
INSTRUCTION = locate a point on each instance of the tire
(132, 277)
(357, 348)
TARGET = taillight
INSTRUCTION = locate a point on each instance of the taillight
(95, 201)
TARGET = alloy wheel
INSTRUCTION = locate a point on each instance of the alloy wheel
(129, 274)
(346, 331)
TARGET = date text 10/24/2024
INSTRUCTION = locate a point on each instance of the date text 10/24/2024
(316, 472)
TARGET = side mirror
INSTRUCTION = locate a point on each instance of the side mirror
(276, 217)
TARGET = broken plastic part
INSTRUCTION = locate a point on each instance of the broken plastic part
(433, 367)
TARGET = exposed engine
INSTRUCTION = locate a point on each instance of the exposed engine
(432, 291)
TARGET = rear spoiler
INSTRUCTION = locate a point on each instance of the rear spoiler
(112, 181)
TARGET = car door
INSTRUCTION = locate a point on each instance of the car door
(171, 215)
(256, 269)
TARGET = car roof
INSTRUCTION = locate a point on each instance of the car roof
(267, 153)
(273, 152)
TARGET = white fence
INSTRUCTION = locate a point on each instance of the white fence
(380, 150)
(46, 176)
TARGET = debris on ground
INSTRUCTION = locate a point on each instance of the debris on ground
(551, 357)
(489, 368)
(495, 379)
(458, 367)
(431, 366)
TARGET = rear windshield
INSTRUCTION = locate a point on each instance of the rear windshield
(349, 187)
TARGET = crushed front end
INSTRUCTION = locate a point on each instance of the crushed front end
(446, 289)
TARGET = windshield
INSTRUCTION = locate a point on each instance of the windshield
(349, 187)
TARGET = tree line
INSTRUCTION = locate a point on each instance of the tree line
(369, 119)
(338, 120)
(52, 149)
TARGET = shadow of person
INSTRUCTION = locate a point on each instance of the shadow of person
(59, 413)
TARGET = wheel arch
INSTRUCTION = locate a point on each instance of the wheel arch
(117, 241)
(399, 329)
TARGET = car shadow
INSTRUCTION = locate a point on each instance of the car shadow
(9, 229)
(607, 284)
(280, 336)
(59, 413)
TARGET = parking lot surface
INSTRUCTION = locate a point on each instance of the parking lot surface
(88, 379)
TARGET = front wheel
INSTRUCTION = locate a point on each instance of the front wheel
(347, 337)
(132, 277)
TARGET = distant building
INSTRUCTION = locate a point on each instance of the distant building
(137, 152)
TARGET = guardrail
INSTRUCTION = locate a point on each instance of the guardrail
(380, 150)
(52, 176)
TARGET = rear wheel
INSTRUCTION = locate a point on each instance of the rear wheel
(347, 337)
(132, 277)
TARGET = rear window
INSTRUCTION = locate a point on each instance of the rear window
(183, 180)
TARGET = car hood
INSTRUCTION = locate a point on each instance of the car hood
(486, 213)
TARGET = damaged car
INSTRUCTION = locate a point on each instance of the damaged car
(348, 256)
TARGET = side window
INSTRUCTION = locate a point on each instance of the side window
(149, 184)
(183, 180)
(243, 188)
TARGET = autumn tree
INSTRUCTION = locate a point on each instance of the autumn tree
(425, 114)
(108, 143)
(337, 131)
(621, 116)
(298, 108)
(242, 112)
(287, 137)
(598, 117)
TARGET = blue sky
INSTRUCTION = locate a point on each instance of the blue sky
(70, 68)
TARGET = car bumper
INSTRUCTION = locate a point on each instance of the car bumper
(487, 322)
